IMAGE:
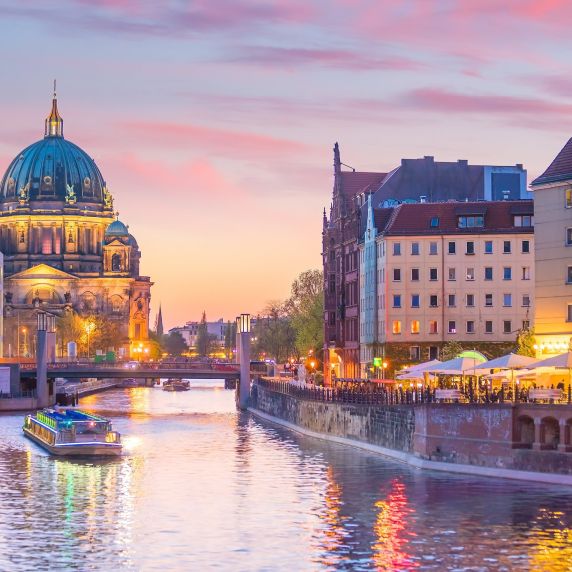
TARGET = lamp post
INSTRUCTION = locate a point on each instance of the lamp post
(89, 327)
(42, 361)
(243, 323)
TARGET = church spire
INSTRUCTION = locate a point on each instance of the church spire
(54, 121)
(159, 323)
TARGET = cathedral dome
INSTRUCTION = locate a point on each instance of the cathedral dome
(117, 228)
(54, 169)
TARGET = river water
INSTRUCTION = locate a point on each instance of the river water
(205, 488)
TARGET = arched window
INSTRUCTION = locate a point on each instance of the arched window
(116, 304)
(116, 263)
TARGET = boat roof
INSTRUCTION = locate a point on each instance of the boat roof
(72, 415)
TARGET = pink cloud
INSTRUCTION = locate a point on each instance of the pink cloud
(221, 141)
(335, 58)
(441, 100)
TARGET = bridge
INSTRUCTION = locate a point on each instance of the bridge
(146, 371)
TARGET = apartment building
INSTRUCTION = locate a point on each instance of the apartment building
(436, 272)
(553, 255)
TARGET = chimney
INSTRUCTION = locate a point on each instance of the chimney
(505, 195)
(429, 158)
(463, 162)
(423, 199)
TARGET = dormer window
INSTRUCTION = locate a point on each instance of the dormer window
(434, 222)
(470, 221)
(524, 220)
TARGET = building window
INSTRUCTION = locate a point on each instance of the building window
(415, 274)
(332, 284)
(470, 273)
(488, 273)
(452, 247)
(451, 301)
(507, 327)
(507, 273)
(415, 326)
(452, 329)
(396, 249)
(46, 234)
(526, 324)
(525, 246)
(470, 221)
(433, 328)
(414, 353)
(433, 274)
(396, 327)
(415, 300)
(568, 198)
(526, 273)
(433, 352)
(568, 236)
(524, 220)
(397, 274)
(433, 302)
(569, 313)
(506, 247)
(415, 248)
(488, 299)
(507, 300)
(569, 275)
(434, 222)
(397, 300)
(452, 274)
(470, 247)
(470, 300)
(116, 263)
(488, 327)
(488, 246)
(432, 248)
(526, 301)
(332, 318)
(470, 326)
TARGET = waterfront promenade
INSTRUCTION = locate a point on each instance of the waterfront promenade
(524, 440)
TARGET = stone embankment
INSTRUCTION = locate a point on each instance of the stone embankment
(523, 440)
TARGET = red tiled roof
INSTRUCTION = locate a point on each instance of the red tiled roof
(353, 183)
(560, 169)
(381, 218)
(411, 219)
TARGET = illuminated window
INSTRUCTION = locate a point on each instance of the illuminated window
(415, 326)
(568, 198)
(396, 327)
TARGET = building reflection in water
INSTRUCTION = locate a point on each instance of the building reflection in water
(551, 542)
(391, 533)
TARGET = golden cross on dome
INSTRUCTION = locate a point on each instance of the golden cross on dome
(116, 215)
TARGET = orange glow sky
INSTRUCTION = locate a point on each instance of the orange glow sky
(213, 122)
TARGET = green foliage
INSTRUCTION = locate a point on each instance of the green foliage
(205, 341)
(525, 343)
(229, 338)
(273, 334)
(174, 344)
(451, 350)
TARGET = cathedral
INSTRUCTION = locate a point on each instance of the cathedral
(64, 248)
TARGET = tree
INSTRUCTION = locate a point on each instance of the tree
(451, 350)
(306, 309)
(229, 338)
(274, 333)
(174, 344)
(205, 341)
(69, 328)
(525, 343)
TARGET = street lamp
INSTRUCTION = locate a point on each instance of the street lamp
(384, 366)
(89, 327)
(244, 323)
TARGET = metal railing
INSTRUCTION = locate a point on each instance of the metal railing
(19, 394)
(363, 392)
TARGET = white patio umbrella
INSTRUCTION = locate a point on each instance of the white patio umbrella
(508, 362)
(460, 366)
(562, 361)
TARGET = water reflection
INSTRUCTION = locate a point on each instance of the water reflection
(202, 488)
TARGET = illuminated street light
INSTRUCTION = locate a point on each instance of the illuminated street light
(88, 327)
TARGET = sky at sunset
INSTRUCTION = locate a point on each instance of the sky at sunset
(213, 121)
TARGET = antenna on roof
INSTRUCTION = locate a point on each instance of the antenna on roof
(353, 170)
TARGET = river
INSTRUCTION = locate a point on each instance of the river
(202, 487)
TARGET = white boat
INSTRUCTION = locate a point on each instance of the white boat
(72, 432)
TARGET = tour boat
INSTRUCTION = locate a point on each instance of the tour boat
(72, 432)
(130, 382)
(176, 385)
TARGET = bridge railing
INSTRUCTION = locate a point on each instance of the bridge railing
(144, 366)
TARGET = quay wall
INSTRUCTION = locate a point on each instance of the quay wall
(431, 435)
(391, 427)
